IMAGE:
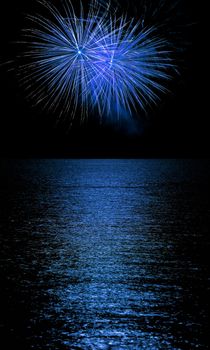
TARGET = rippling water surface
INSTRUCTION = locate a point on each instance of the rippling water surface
(104, 254)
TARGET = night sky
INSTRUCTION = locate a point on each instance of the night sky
(178, 127)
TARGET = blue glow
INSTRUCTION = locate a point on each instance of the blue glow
(121, 66)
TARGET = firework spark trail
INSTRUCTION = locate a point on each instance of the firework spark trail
(96, 63)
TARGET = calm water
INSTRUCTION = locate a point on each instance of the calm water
(104, 254)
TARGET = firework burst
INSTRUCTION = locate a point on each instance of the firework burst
(96, 63)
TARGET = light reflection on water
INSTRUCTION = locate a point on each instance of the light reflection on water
(105, 254)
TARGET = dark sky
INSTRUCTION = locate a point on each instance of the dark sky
(177, 128)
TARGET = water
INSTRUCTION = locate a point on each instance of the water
(104, 254)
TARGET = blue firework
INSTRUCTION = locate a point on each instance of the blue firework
(96, 63)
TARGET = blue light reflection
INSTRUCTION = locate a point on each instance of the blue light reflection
(104, 254)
